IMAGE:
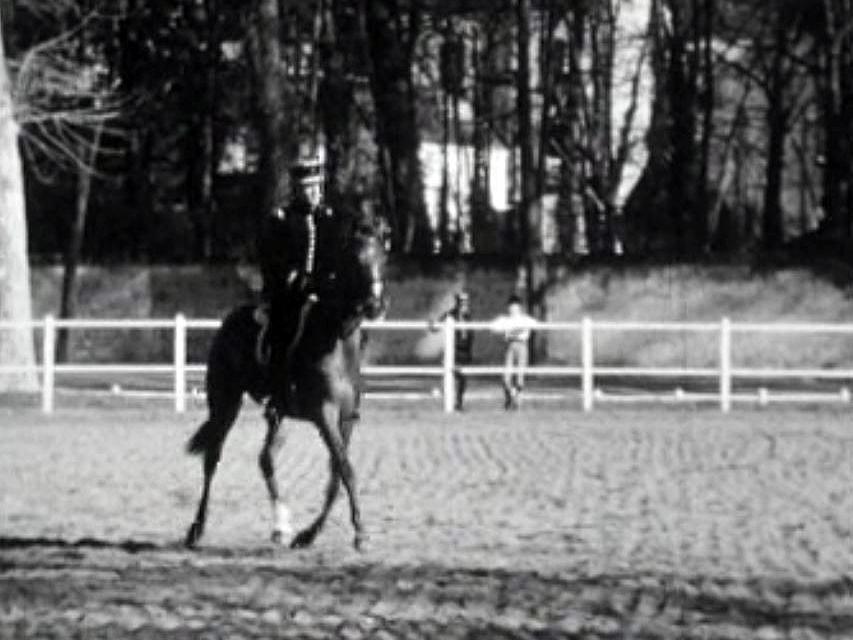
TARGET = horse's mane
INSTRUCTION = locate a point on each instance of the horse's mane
(354, 231)
(356, 222)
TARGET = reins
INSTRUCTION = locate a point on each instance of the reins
(300, 325)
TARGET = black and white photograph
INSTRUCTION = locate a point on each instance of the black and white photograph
(426, 319)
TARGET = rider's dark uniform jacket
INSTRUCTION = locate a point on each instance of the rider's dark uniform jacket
(297, 247)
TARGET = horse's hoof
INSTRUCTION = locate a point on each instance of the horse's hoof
(360, 542)
(193, 536)
(303, 539)
(278, 536)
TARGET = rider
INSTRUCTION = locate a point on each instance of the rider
(296, 257)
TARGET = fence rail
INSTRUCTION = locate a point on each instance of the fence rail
(587, 371)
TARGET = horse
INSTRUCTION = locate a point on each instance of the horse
(325, 372)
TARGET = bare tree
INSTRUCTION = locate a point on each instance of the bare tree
(602, 107)
(768, 54)
(67, 102)
(50, 102)
(16, 345)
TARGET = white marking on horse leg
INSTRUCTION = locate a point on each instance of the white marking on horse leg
(376, 290)
(282, 521)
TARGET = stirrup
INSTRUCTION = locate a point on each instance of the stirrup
(261, 314)
(263, 350)
(271, 414)
(278, 408)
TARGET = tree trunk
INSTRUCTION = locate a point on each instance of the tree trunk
(707, 103)
(206, 200)
(832, 79)
(606, 174)
(392, 86)
(681, 105)
(777, 129)
(547, 73)
(481, 218)
(68, 299)
(444, 200)
(771, 225)
(535, 275)
(335, 101)
(572, 170)
(525, 130)
(273, 103)
(16, 345)
(598, 146)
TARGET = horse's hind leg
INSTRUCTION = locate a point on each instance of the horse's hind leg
(208, 440)
(282, 527)
(348, 477)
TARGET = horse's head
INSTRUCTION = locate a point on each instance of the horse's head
(363, 269)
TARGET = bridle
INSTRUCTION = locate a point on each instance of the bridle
(373, 304)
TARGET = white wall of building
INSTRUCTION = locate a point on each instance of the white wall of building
(460, 169)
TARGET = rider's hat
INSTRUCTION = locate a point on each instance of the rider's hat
(307, 170)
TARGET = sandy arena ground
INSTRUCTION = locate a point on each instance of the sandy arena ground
(647, 523)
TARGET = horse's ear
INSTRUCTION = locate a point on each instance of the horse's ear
(357, 217)
(364, 222)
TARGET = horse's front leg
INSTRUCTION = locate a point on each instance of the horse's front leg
(306, 537)
(335, 433)
(282, 525)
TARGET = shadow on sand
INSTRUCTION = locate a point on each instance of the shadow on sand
(120, 588)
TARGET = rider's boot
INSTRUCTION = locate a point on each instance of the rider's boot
(279, 382)
(271, 413)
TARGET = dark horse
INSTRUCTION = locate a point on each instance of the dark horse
(325, 370)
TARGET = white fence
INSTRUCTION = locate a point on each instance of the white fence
(723, 375)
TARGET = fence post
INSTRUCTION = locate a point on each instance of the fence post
(48, 361)
(180, 352)
(725, 365)
(587, 364)
(448, 363)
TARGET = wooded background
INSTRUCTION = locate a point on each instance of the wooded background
(161, 131)
(747, 146)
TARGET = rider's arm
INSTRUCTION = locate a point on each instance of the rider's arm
(273, 253)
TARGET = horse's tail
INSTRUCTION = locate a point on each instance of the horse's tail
(224, 400)
(230, 371)
(206, 435)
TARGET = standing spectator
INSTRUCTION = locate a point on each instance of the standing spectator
(515, 326)
(464, 343)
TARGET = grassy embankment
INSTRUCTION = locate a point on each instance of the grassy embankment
(642, 293)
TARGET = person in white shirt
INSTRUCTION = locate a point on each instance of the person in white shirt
(515, 326)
